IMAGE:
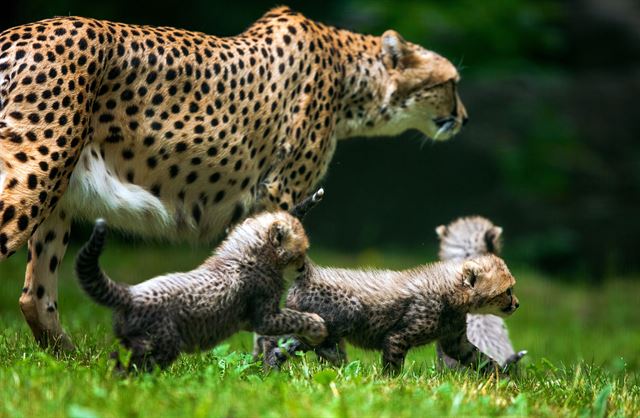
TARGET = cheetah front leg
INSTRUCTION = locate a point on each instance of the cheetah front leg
(394, 351)
(461, 353)
(452, 363)
(39, 299)
(308, 326)
(275, 355)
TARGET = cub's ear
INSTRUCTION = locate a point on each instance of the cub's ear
(492, 239)
(441, 231)
(277, 233)
(470, 272)
(394, 49)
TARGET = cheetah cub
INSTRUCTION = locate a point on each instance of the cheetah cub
(394, 311)
(238, 288)
(462, 239)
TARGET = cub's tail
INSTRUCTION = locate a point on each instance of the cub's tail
(512, 360)
(93, 280)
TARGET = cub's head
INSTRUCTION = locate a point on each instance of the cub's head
(419, 90)
(274, 238)
(490, 285)
(469, 237)
(288, 241)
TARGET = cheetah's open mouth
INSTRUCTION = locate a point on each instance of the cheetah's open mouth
(509, 309)
(445, 125)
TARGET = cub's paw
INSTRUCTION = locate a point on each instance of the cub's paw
(316, 331)
(274, 358)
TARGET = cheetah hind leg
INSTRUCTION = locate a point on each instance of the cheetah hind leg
(39, 298)
(32, 183)
(146, 356)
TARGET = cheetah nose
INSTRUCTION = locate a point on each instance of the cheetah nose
(517, 305)
(465, 119)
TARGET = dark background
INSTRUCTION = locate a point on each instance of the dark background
(552, 150)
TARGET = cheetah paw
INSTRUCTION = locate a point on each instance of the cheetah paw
(317, 331)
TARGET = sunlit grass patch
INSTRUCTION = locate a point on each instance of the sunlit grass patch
(582, 361)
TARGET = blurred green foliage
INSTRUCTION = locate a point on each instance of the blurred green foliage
(488, 35)
(479, 36)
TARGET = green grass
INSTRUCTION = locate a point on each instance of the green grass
(583, 359)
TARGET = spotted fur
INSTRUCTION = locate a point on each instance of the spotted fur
(394, 311)
(174, 134)
(466, 238)
(238, 288)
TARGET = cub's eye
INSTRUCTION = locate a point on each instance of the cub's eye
(509, 292)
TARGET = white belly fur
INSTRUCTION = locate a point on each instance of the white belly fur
(96, 192)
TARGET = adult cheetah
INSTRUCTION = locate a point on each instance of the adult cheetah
(168, 133)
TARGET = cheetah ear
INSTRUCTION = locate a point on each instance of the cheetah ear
(441, 231)
(394, 49)
(277, 233)
(470, 271)
(492, 239)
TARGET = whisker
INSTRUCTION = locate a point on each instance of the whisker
(460, 65)
(423, 139)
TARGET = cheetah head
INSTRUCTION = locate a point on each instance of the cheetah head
(467, 237)
(288, 241)
(491, 286)
(419, 91)
(272, 239)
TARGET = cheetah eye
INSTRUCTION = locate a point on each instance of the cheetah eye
(509, 292)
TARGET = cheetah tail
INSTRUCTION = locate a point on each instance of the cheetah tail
(92, 279)
(301, 209)
(513, 360)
